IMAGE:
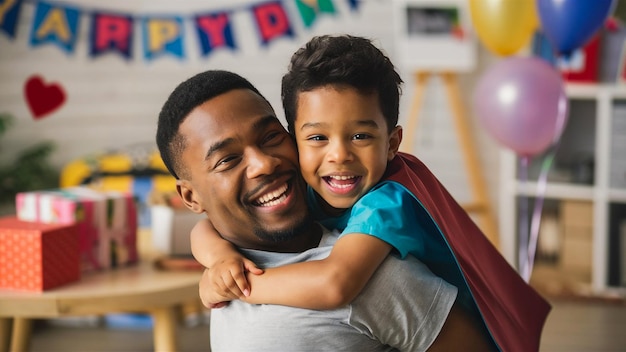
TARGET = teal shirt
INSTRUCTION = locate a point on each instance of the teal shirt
(386, 212)
(390, 212)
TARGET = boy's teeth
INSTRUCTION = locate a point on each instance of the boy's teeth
(341, 185)
(272, 197)
(341, 181)
(342, 178)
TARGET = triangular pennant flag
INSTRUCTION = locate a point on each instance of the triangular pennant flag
(214, 31)
(272, 21)
(111, 32)
(9, 13)
(354, 4)
(163, 35)
(56, 24)
(310, 8)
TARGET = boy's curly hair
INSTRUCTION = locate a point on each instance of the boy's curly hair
(342, 60)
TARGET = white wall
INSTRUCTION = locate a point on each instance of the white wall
(113, 102)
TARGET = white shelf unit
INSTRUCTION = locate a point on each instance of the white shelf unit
(594, 102)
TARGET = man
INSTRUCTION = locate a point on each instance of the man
(234, 161)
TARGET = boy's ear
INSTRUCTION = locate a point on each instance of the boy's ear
(185, 191)
(395, 137)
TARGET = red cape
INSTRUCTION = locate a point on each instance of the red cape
(512, 310)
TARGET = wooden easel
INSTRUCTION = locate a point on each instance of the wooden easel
(481, 204)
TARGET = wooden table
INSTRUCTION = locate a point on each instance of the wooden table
(140, 288)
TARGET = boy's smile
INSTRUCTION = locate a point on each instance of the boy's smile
(343, 142)
(342, 183)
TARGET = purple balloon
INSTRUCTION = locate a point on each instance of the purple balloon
(521, 102)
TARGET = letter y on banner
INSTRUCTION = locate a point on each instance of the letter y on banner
(214, 31)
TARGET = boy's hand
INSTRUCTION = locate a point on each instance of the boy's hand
(205, 292)
(226, 281)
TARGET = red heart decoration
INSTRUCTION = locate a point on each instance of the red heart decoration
(43, 99)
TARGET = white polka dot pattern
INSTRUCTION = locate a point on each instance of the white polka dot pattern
(36, 256)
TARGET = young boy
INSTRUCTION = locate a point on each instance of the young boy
(341, 101)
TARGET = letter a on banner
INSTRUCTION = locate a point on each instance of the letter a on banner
(272, 21)
(55, 24)
(9, 13)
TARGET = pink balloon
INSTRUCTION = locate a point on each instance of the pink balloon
(521, 102)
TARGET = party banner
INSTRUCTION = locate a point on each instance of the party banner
(214, 31)
(55, 24)
(111, 32)
(272, 21)
(162, 35)
(310, 8)
(9, 13)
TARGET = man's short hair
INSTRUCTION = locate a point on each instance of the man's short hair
(187, 96)
(342, 60)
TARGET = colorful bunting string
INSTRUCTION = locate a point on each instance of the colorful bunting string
(55, 24)
(272, 21)
(9, 13)
(354, 4)
(111, 32)
(162, 35)
(214, 31)
(310, 8)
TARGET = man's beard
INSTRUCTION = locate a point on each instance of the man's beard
(301, 228)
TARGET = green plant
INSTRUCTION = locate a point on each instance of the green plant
(30, 170)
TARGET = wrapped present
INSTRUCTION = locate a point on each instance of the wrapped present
(137, 169)
(171, 227)
(106, 221)
(118, 235)
(115, 224)
(35, 256)
(582, 66)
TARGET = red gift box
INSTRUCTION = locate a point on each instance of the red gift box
(36, 256)
(106, 221)
(582, 66)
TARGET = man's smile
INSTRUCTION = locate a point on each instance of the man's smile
(273, 194)
(273, 198)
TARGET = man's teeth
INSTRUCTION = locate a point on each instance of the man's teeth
(273, 198)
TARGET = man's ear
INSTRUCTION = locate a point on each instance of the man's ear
(185, 191)
(395, 137)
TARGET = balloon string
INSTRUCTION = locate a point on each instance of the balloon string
(536, 219)
(523, 218)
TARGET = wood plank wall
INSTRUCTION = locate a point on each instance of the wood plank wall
(113, 102)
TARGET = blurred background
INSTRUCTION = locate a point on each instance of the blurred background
(82, 83)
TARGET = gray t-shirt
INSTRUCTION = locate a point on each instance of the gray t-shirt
(403, 307)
